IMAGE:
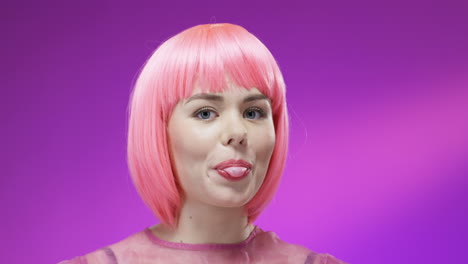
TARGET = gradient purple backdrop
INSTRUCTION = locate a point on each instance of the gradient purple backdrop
(378, 99)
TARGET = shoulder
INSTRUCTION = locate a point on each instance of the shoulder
(322, 258)
(291, 253)
(109, 254)
(75, 260)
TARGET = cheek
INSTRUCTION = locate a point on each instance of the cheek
(264, 144)
(188, 143)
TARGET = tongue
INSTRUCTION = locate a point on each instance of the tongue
(235, 171)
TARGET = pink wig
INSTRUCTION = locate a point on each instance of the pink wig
(208, 55)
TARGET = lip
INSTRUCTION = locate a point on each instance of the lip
(220, 168)
(233, 163)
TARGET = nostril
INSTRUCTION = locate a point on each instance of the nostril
(233, 140)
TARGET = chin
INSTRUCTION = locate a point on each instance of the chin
(230, 201)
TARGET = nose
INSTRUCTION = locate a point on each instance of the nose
(234, 131)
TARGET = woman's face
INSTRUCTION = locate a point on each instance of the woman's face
(221, 144)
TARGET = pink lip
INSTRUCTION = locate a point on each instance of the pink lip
(233, 163)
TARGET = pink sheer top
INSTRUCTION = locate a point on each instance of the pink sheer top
(260, 247)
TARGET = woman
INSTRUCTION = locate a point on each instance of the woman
(207, 144)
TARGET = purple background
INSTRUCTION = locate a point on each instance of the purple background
(378, 97)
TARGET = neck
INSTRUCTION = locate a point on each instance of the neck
(200, 223)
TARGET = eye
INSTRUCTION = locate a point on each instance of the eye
(254, 113)
(205, 113)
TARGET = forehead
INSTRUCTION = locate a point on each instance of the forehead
(238, 94)
(232, 90)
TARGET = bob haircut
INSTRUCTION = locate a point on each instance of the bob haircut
(210, 56)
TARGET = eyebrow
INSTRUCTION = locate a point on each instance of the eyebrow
(219, 98)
